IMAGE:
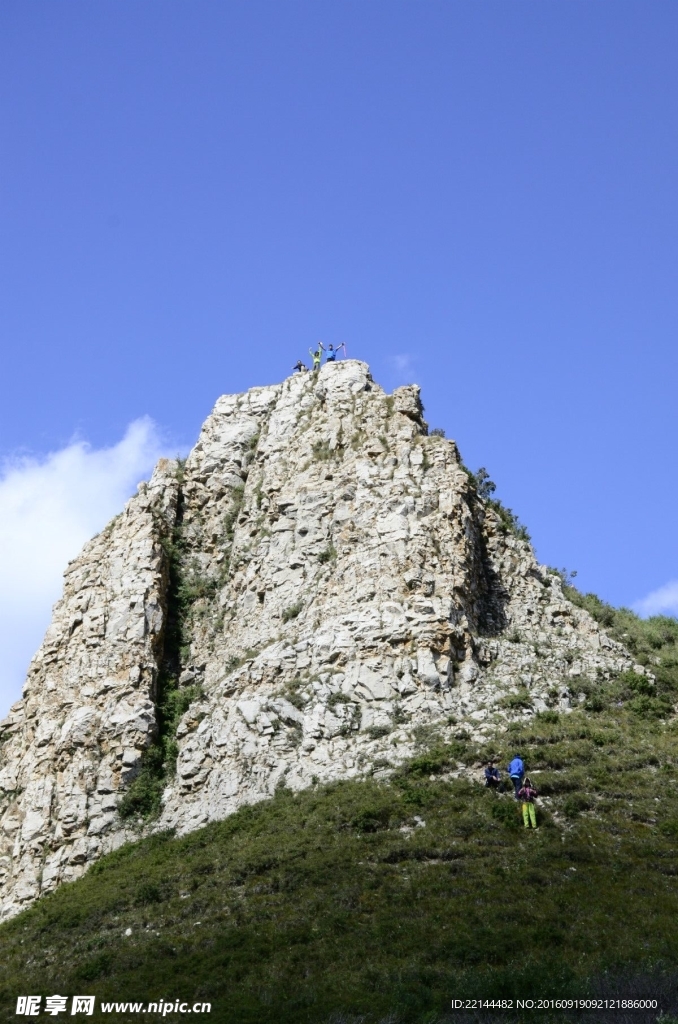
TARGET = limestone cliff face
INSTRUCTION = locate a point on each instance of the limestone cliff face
(341, 586)
(75, 739)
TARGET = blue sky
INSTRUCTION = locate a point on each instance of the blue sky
(479, 196)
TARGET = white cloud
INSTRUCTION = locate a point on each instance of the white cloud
(402, 364)
(49, 507)
(663, 601)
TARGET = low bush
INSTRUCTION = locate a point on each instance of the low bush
(517, 701)
(328, 554)
(507, 812)
(575, 804)
(293, 611)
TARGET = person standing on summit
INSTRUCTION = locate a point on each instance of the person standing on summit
(516, 770)
(316, 355)
(334, 352)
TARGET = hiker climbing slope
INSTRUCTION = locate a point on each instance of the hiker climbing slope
(526, 795)
(516, 770)
(492, 776)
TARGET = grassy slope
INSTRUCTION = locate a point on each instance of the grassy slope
(317, 903)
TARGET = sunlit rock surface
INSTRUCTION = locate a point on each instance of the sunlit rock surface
(350, 593)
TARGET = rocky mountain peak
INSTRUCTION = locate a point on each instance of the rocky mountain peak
(317, 587)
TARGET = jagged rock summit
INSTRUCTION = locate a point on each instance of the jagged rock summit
(323, 580)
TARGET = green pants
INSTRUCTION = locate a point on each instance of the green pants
(529, 815)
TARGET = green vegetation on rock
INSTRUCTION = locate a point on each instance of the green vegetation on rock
(485, 488)
(653, 643)
(144, 795)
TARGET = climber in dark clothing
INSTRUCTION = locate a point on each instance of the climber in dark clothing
(492, 776)
(299, 366)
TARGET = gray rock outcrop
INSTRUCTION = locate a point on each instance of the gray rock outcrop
(337, 589)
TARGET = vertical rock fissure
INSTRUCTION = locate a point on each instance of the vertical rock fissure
(143, 798)
(190, 596)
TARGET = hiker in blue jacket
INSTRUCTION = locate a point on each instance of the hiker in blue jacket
(516, 770)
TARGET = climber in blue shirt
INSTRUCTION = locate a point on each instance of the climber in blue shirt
(516, 770)
(332, 352)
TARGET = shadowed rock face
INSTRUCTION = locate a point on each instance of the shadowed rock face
(345, 585)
